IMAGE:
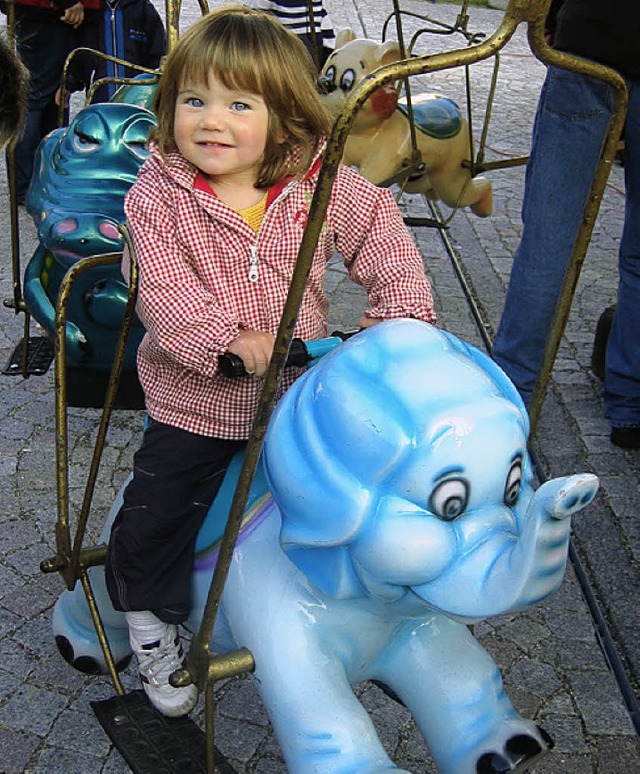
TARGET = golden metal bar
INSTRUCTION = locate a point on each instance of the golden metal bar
(110, 397)
(209, 724)
(89, 557)
(487, 166)
(18, 302)
(154, 77)
(68, 557)
(172, 22)
(102, 636)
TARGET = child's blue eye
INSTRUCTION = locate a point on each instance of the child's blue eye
(240, 107)
(194, 102)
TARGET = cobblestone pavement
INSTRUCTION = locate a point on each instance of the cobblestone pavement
(558, 662)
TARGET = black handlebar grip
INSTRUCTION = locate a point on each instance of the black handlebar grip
(231, 365)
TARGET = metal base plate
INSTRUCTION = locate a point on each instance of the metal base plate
(39, 357)
(151, 743)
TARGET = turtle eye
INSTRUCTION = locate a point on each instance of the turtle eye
(449, 499)
(513, 483)
(84, 141)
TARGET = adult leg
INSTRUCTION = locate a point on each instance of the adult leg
(569, 128)
(622, 370)
(150, 556)
(43, 48)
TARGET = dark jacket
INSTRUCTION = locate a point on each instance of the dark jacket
(606, 32)
(45, 10)
(131, 30)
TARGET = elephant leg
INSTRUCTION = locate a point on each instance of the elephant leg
(319, 722)
(75, 634)
(454, 691)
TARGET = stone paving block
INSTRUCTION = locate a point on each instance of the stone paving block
(16, 748)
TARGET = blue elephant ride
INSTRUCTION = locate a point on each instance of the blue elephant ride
(394, 506)
(76, 197)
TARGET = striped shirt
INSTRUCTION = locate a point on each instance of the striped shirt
(294, 14)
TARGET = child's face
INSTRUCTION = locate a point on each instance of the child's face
(221, 131)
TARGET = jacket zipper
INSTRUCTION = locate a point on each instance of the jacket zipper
(253, 252)
(253, 263)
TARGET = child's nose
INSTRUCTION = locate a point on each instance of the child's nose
(213, 117)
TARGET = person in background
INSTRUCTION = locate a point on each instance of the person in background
(294, 14)
(14, 83)
(45, 32)
(568, 135)
(217, 215)
(131, 30)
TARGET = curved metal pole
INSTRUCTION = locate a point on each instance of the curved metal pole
(68, 561)
(172, 19)
(17, 301)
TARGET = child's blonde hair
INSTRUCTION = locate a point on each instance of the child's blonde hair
(250, 50)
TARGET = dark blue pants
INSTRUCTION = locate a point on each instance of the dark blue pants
(43, 47)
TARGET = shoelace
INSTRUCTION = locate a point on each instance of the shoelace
(161, 662)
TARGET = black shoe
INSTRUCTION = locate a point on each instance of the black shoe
(626, 437)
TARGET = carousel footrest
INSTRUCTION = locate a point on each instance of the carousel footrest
(39, 357)
(151, 743)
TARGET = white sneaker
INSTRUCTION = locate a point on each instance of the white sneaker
(156, 662)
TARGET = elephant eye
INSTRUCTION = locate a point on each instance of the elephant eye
(347, 80)
(512, 486)
(449, 499)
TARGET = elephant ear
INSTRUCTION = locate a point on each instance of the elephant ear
(498, 376)
(330, 444)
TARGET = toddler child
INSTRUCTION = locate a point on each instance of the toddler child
(217, 216)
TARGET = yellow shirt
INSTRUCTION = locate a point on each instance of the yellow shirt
(254, 214)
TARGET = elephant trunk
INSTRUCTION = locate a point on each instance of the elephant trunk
(509, 572)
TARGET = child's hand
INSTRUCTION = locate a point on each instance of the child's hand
(255, 349)
(367, 322)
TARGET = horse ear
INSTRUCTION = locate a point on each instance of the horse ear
(389, 52)
(343, 37)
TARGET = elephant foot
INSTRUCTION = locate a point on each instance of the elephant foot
(88, 664)
(519, 753)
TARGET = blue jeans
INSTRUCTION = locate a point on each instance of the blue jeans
(43, 47)
(568, 134)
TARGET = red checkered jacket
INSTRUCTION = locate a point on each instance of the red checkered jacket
(204, 275)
